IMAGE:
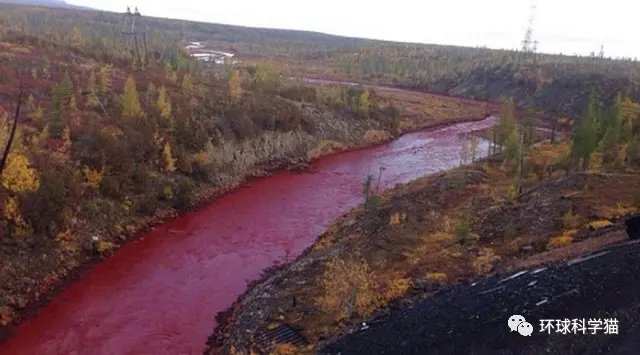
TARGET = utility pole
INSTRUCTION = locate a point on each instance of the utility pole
(529, 45)
(135, 37)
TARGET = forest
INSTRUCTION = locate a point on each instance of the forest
(479, 73)
(107, 144)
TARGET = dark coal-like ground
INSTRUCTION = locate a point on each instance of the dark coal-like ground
(472, 319)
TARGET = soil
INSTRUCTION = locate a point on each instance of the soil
(406, 243)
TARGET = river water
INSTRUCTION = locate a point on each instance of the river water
(160, 294)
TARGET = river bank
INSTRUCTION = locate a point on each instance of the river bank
(423, 236)
(357, 137)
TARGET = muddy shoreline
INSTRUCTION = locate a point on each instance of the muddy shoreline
(203, 198)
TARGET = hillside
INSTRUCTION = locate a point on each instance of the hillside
(46, 3)
(460, 71)
(503, 213)
(107, 147)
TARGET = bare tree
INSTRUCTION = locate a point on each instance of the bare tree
(12, 134)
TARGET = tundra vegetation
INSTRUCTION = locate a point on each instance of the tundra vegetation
(106, 145)
(532, 202)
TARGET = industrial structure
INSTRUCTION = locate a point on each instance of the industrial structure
(529, 45)
(134, 35)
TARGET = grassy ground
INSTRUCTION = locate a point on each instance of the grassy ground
(452, 227)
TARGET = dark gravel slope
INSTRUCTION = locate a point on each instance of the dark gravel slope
(472, 319)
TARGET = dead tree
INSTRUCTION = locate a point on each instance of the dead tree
(12, 134)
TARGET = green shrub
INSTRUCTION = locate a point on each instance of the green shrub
(184, 192)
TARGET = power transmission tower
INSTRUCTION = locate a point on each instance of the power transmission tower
(529, 45)
(135, 35)
(601, 54)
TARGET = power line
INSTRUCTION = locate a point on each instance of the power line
(529, 45)
(134, 34)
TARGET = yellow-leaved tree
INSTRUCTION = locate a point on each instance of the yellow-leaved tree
(105, 79)
(348, 286)
(167, 158)
(164, 103)
(364, 103)
(93, 178)
(130, 101)
(18, 176)
(187, 84)
(91, 98)
(234, 87)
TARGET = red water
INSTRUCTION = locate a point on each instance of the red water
(159, 295)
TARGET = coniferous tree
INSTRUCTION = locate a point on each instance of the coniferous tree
(512, 150)
(529, 123)
(585, 137)
(167, 158)
(187, 85)
(149, 95)
(506, 123)
(130, 102)
(363, 103)
(164, 103)
(612, 134)
(56, 125)
(66, 88)
(234, 89)
(105, 79)
(92, 98)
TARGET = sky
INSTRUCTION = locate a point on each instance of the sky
(560, 26)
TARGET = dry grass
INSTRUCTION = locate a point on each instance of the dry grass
(595, 225)
(348, 286)
(484, 264)
(565, 253)
(419, 108)
(326, 147)
(377, 136)
(561, 241)
(571, 221)
(285, 349)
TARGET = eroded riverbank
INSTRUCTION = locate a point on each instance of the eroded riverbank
(443, 229)
(148, 297)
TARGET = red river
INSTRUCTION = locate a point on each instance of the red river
(160, 294)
